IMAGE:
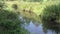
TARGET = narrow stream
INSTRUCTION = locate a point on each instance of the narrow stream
(39, 28)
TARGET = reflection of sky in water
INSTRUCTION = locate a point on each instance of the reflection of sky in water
(33, 29)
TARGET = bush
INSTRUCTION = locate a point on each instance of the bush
(9, 22)
(51, 13)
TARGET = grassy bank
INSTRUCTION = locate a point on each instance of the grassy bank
(36, 8)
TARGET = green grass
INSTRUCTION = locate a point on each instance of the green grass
(36, 7)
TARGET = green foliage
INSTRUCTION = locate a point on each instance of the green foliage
(9, 22)
(1, 5)
(51, 12)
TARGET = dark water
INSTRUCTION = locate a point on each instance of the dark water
(35, 27)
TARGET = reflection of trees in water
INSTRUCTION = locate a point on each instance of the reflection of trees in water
(51, 25)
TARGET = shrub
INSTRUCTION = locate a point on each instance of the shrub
(51, 13)
(9, 22)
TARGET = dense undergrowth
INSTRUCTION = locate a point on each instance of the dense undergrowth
(9, 21)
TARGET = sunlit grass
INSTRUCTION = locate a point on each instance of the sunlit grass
(37, 7)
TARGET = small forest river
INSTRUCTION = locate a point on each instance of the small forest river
(35, 27)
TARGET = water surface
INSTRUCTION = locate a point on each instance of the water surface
(35, 27)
